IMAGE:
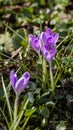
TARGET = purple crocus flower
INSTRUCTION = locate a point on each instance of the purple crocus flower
(49, 38)
(19, 84)
(49, 41)
(35, 43)
(48, 53)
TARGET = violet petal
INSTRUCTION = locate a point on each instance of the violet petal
(31, 37)
(49, 55)
(48, 32)
(13, 78)
(52, 54)
(43, 38)
(56, 37)
(50, 41)
(20, 85)
(26, 75)
(36, 45)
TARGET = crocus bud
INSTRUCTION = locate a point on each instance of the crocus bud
(19, 84)
(35, 43)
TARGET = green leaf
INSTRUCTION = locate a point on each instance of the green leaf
(69, 98)
(30, 97)
(61, 126)
(44, 122)
(37, 90)
(68, 114)
(45, 112)
(30, 112)
(58, 96)
(55, 116)
(50, 103)
(46, 93)
(62, 2)
(32, 86)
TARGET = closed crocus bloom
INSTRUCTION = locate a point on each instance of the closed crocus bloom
(49, 41)
(35, 43)
(48, 53)
(19, 84)
(49, 38)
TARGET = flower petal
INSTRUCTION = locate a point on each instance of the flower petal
(52, 54)
(56, 37)
(36, 45)
(35, 42)
(26, 75)
(31, 37)
(22, 83)
(50, 42)
(48, 32)
(19, 85)
(43, 38)
(49, 55)
(13, 78)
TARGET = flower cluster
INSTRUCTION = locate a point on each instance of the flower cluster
(19, 85)
(46, 43)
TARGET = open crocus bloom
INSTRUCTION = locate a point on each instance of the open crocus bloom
(35, 43)
(49, 38)
(19, 84)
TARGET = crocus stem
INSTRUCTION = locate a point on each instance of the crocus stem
(15, 108)
(20, 115)
(44, 73)
(51, 78)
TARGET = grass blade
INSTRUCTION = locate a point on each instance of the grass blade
(7, 100)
